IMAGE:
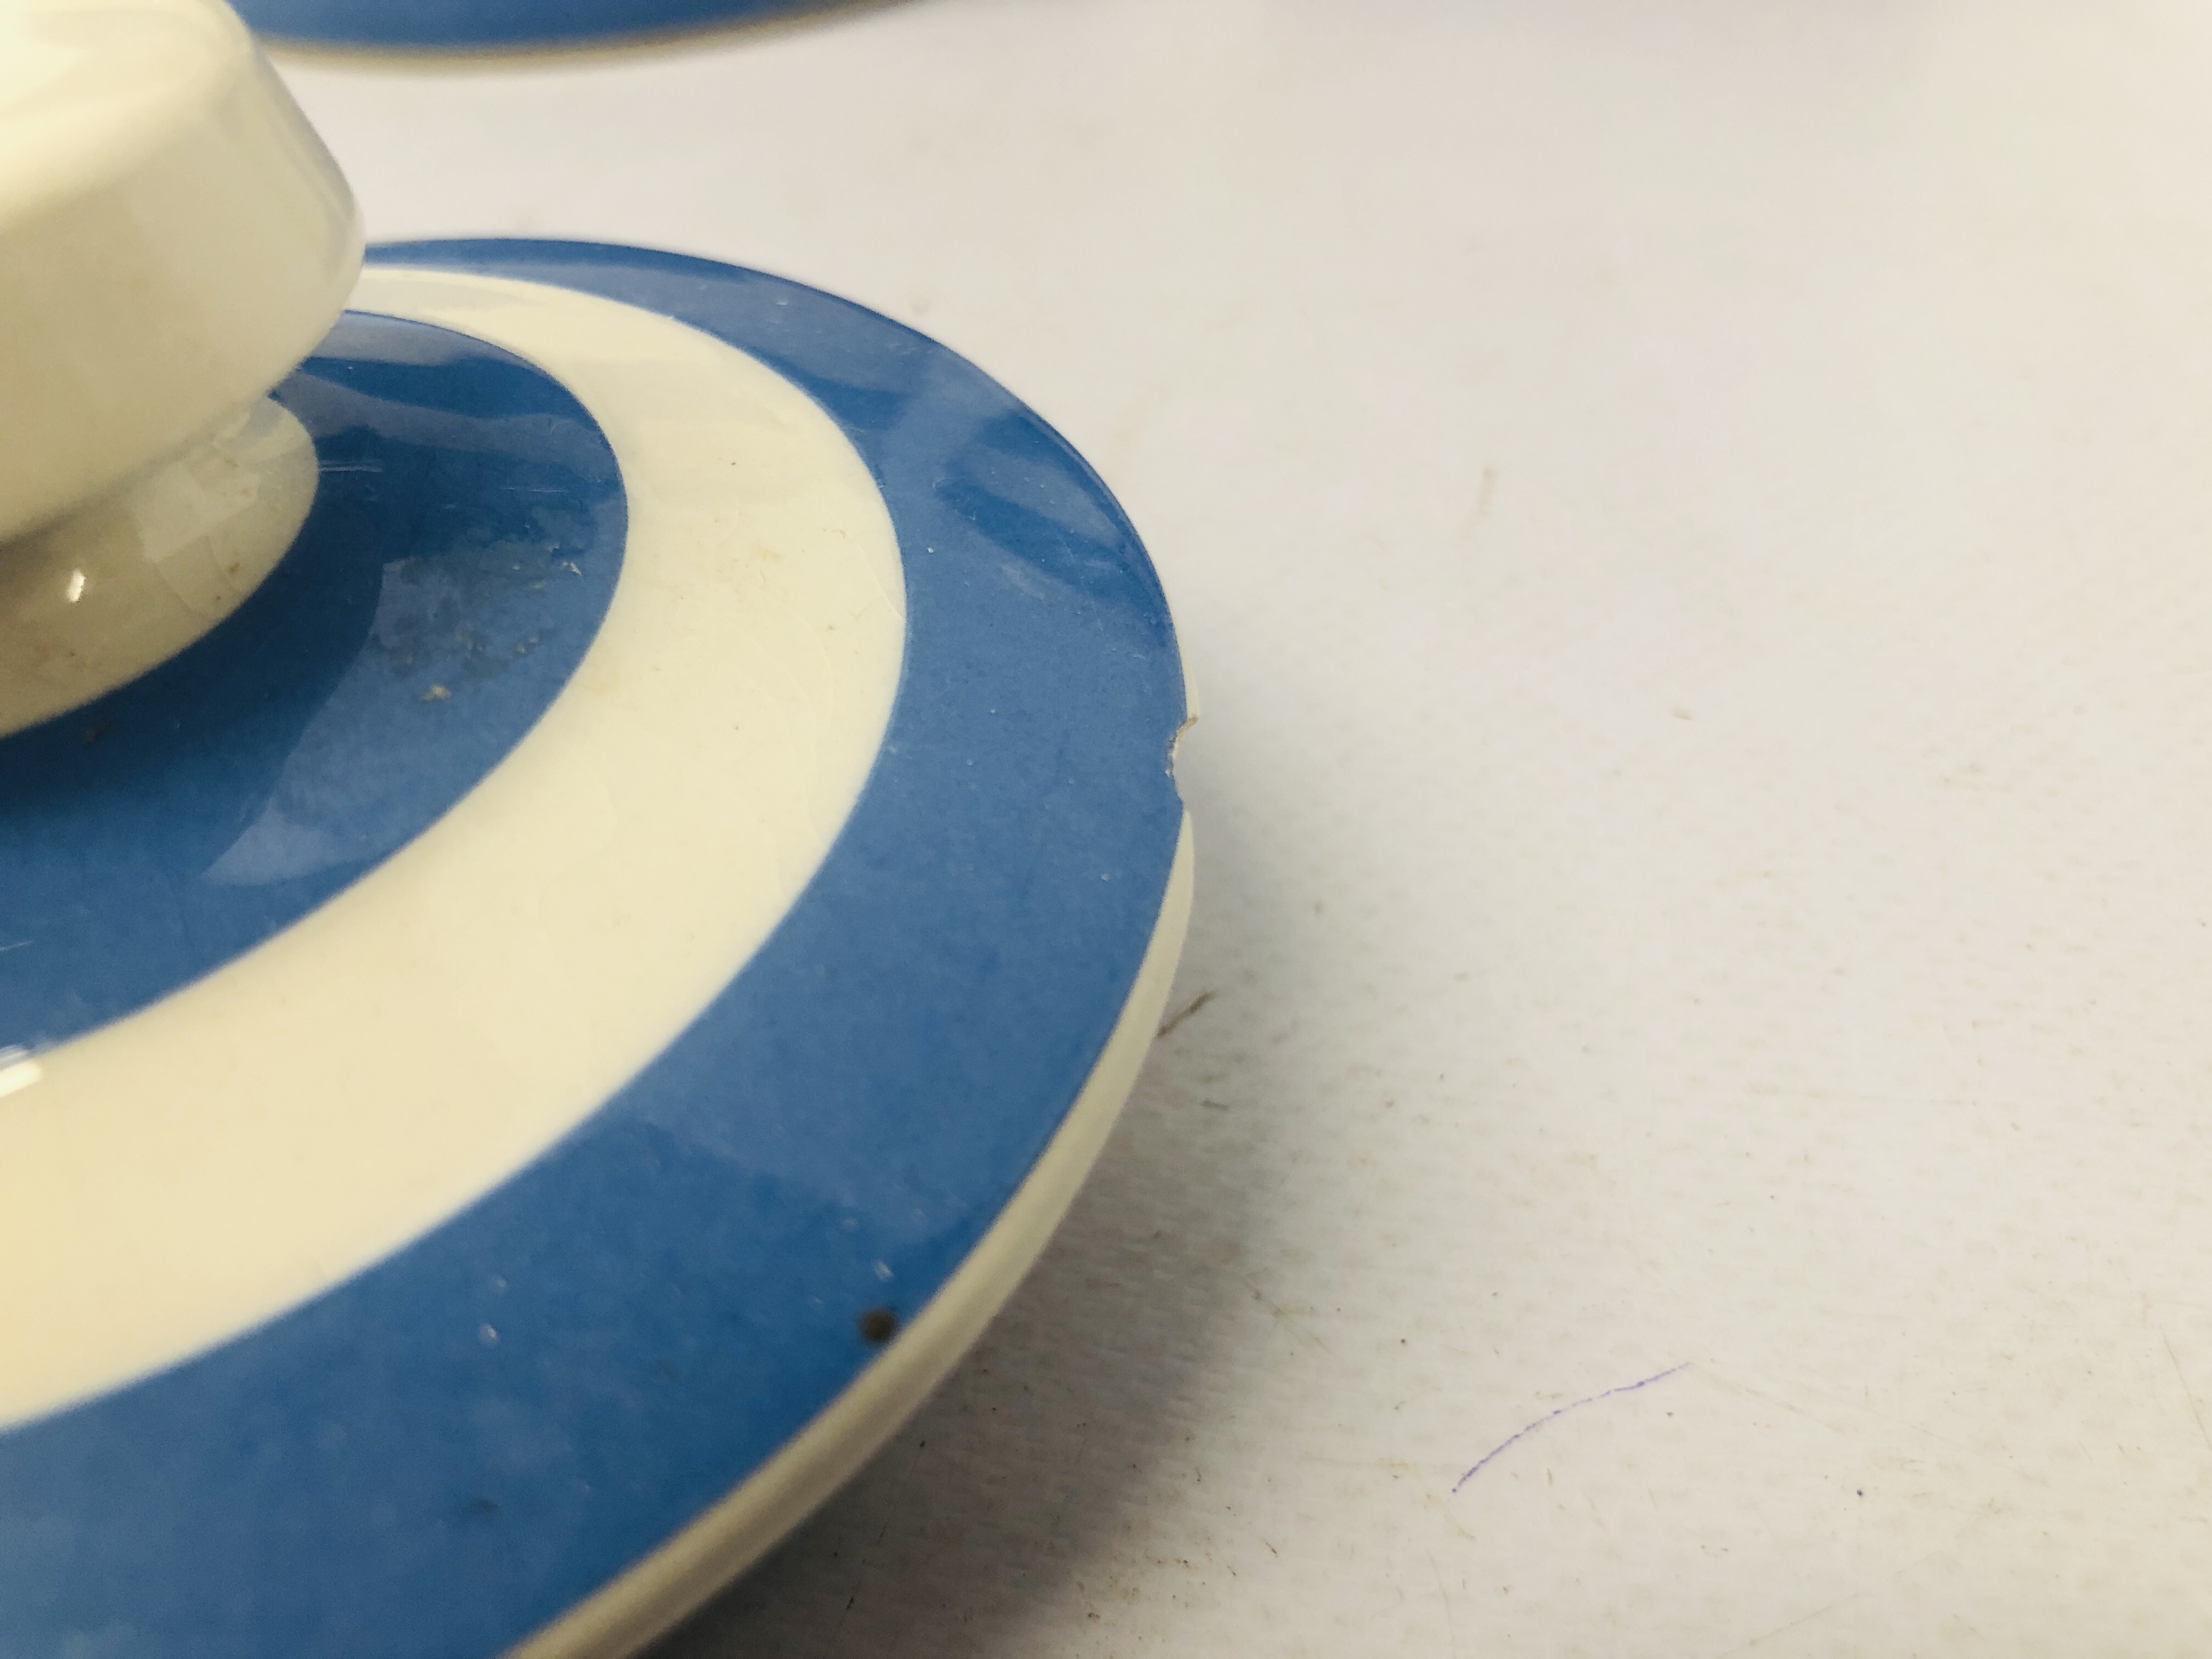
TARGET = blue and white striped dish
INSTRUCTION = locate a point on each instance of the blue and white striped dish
(534, 1042)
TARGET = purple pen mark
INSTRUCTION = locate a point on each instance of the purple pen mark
(1592, 1399)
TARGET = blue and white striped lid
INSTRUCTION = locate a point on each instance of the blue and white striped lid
(533, 1042)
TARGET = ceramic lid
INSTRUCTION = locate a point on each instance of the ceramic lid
(534, 1042)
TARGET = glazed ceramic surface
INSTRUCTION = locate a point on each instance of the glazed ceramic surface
(532, 1042)
(480, 24)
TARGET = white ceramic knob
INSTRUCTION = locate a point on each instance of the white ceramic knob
(173, 240)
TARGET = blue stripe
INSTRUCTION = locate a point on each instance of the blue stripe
(464, 23)
(677, 1288)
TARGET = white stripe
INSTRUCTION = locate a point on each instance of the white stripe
(182, 1174)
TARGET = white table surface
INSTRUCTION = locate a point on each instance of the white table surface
(1693, 529)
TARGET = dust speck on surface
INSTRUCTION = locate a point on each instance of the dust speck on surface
(878, 1325)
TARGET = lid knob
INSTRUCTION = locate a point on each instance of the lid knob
(173, 240)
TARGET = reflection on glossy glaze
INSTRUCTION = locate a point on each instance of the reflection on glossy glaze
(462, 549)
(128, 582)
